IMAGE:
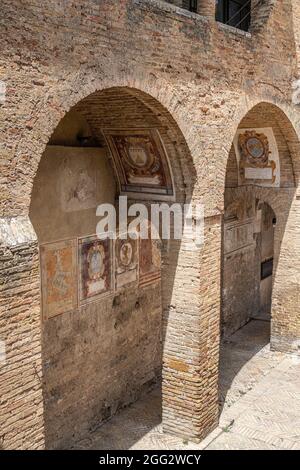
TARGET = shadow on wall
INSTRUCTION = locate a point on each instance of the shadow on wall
(103, 355)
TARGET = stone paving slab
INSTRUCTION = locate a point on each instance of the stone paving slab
(238, 442)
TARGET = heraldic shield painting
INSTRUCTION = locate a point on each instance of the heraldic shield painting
(59, 277)
(95, 268)
(258, 157)
(126, 259)
(140, 161)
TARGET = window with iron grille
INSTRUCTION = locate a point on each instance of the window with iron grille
(193, 5)
(235, 13)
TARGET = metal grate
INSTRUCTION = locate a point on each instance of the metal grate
(193, 5)
(235, 13)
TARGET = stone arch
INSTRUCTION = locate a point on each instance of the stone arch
(180, 277)
(218, 139)
(286, 118)
(284, 202)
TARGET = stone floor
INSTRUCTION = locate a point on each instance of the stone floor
(259, 401)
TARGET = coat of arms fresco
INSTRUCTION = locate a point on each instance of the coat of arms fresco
(95, 268)
(140, 161)
(258, 158)
(126, 254)
(59, 277)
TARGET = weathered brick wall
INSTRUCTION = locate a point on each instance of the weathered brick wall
(260, 12)
(98, 359)
(296, 27)
(139, 37)
(207, 77)
(286, 291)
(21, 400)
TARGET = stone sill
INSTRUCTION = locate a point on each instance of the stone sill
(234, 30)
(181, 12)
(170, 8)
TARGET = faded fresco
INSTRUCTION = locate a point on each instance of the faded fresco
(78, 178)
(258, 157)
(59, 277)
(140, 161)
(126, 260)
(150, 260)
(95, 268)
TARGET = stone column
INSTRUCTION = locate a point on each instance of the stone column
(191, 338)
(207, 8)
(21, 400)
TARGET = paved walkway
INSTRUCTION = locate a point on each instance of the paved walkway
(259, 399)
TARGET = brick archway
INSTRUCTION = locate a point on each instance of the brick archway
(117, 108)
(189, 366)
(285, 330)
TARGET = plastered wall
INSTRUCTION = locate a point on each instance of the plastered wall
(104, 355)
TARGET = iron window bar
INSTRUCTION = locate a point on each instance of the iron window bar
(193, 6)
(238, 12)
(253, 9)
(258, 4)
(243, 19)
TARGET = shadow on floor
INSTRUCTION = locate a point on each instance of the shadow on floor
(235, 354)
(139, 425)
(129, 425)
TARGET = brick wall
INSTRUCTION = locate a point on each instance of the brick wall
(203, 78)
(21, 400)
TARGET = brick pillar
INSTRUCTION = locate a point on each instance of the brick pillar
(21, 400)
(296, 24)
(207, 8)
(191, 339)
(285, 334)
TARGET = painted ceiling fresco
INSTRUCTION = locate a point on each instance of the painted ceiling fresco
(140, 161)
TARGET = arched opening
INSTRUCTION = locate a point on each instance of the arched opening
(260, 191)
(105, 321)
